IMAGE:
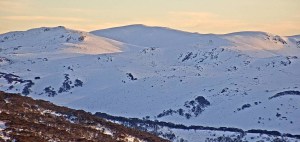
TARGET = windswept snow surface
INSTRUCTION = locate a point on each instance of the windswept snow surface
(2, 127)
(166, 74)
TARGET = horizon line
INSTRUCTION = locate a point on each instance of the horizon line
(145, 25)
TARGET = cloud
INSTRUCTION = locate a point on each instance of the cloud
(12, 6)
(43, 18)
(76, 10)
(203, 22)
(282, 27)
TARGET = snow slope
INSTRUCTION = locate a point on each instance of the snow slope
(169, 75)
(157, 36)
(56, 40)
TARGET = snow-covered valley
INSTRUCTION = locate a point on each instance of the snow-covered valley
(245, 80)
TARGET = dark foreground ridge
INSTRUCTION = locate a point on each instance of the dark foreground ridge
(27, 120)
(145, 124)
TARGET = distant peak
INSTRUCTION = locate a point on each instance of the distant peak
(52, 28)
(141, 27)
(136, 25)
(295, 36)
(133, 26)
(39, 29)
(249, 33)
(56, 27)
(145, 26)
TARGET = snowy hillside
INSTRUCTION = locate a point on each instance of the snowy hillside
(245, 80)
(54, 41)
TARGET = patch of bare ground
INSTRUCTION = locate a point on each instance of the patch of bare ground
(37, 121)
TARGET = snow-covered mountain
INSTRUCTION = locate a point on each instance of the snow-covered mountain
(245, 80)
(57, 40)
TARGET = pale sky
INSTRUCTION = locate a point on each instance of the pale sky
(204, 16)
